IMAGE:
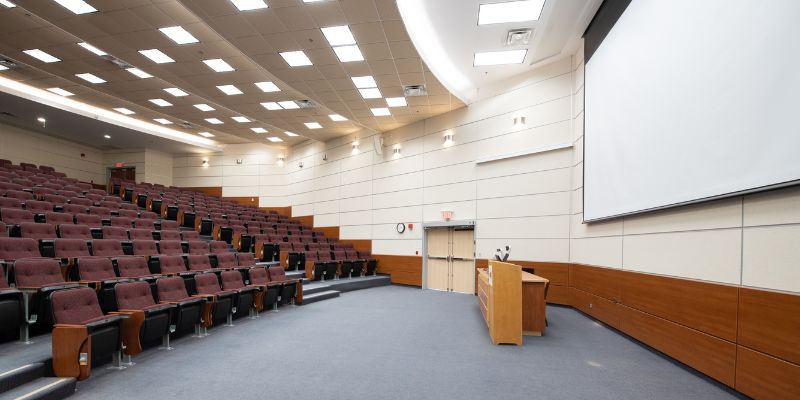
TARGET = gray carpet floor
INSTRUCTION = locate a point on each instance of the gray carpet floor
(398, 342)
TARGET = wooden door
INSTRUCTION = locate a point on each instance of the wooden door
(438, 275)
(126, 173)
(462, 260)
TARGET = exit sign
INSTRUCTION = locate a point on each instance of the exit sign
(119, 165)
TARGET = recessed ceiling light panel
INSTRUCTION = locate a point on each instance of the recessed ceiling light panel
(77, 6)
(267, 87)
(219, 65)
(91, 78)
(380, 111)
(258, 130)
(363, 82)
(312, 125)
(348, 53)
(296, 58)
(396, 101)
(160, 102)
(292, 134)
(176, 92)
(288, 105)
(247, 5)
(179, 35)
(338, 35)
(41, 56)
(7, 3)
(511, 11)
(204, 107)
(157, 56)
(124, 111)
(274, 139)
(60, 92)
(241, 120)
(230, 90)
(214, 121)
(337, 118)
(205, 134)
(139, 73)
(93, 49)
(272, 106)
(500, 57)
(163, 121)
(372, 93)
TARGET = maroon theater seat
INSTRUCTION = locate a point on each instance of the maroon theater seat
(3, 229)
(92, 221)
(356, 264)
(144, 224)
(218, 246)
(167, 225)
(123, 222)
(115, 232)
(130, 214)
(82, 328)
(198, 262)
(71, 231)
(11, 311)
(38, 278)
(145, 248)
(245, 260)
(170, 247)
(170, 235)
(75, 209)
(20, 195)
(198, 247)
(244, 299)
(82, 201)
(288, 286)
(148, 215)
(190, 235)
(98, 273)
(141, 234)
(134, 268)
(226, 260)
(15, 216)
(58, 218)
(269, 291)
(38, 207)
(187, 316)
(6, 202)
(107, 248)
(37, 231)
(221, 302)
(16, 248)
(149, 322)
(172, 264)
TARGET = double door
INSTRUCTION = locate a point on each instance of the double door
(450, 259)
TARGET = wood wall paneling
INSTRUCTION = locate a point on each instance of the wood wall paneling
(556, 273)
(359, 245)
(306, 220)
(770, 323)
(559, 294)
(285, 211)
(329, 231)
(598, 307)
(761, 376)
(406, 270)
(211, 190)
(603, 282)
(248, 201)
(707, 307)
(708, 354)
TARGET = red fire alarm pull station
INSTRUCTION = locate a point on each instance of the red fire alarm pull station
(410, 226)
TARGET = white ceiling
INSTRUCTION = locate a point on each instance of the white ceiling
(447, 36)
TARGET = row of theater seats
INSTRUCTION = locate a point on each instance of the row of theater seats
(154, 307)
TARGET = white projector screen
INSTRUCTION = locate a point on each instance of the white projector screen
(689, 100)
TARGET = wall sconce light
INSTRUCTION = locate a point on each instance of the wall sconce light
(301, 164)
(205, 162)
(42, 121)
(448, 139)
(519, 122)
(355, 147)
(281, 159)
(239, 161)
(396, 152)
(325, 157)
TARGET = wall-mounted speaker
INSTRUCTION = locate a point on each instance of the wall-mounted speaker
(377, 143)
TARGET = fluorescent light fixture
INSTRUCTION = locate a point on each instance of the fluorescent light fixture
(288, 105)
(157, 56)
(162, 121)
(139, 73)
(107, 136)
(93, 49)
(230, 90)
(380, 111)
(337, 118)
(41, 56)
(511, 11)
(77, 6)
(348, 53)
(267, 87)
(205, 134)
(176, 92)
(60, 92)
(363, 82)
(258, 130)
(396, 101)
(296, 58)
(272, 106)
(338, 35)
(241, 120)
(7, 3)
(247, 5)
(204, 107)
(179, 35)
(214, 121)
(42, 120)
(500, 57)
(372, 93)
(91, 78)
(219, 65)
(124, 111)
(160, 102)
(274, 139)
(3, 68)
(292, 134)
(312, 125)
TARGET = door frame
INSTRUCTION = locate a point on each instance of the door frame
(441, 224)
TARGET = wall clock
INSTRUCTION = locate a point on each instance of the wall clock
(401, 227)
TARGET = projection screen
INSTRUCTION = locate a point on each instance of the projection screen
(690, 100)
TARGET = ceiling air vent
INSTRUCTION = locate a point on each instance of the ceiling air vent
(518, 37)
(8, 63)
(415, 90)
(116, 61)
(8, 114)
(186, 125)
(306, 103)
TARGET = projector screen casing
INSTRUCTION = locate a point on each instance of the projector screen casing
(687, 101)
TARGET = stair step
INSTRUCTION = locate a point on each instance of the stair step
(315, 297)
(20, 376)
(315, 289)
(43, 389)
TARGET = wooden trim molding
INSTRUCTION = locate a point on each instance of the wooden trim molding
(285, 211)
(405, 270)
(247, 201)
(211, 190)
(359, 245)
(328, 231)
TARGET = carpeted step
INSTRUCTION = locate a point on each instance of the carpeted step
(21, 376)
(315, 297)
(43, 389)
(314, 288)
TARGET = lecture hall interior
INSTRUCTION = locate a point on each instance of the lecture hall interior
(399, 199)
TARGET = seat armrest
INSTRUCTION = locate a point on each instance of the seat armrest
(112, 317)
(71, 349)
(131, 327)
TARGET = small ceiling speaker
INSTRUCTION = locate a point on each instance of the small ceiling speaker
(377, 143)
